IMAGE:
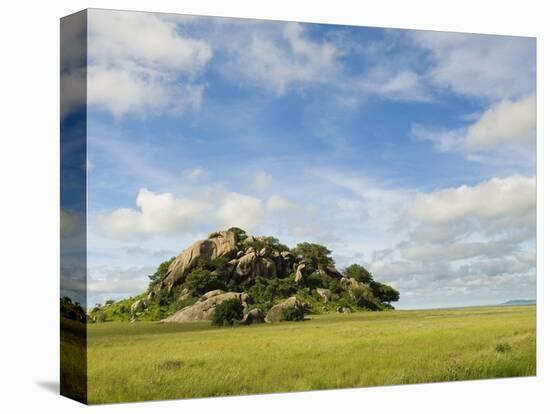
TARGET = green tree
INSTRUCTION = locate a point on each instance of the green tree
(384, 292)
(315, 255)
(240, 233)
(275, 244)
(200, 281)
(358, 273)
(228, 312)
(162, 269)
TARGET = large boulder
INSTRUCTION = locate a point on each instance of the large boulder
(254, 316)
(300, 273)
(222, 243)
(326, 294)
(252, 265)
(276, 313)
(212, 293)
(349, 283)
(204, 309)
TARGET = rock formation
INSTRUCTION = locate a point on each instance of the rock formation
(204, 308)
(276, 313)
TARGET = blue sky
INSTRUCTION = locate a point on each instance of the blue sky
(410, 152)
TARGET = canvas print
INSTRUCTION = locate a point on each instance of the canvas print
(253, 206)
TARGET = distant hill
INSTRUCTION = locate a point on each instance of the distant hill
(520, 302)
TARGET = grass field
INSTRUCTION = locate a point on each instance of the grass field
(149, 360)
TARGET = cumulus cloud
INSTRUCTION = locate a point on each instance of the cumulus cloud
(509, 197)
(506, 125)
(239, 210)
(157, 213)
(461, 240)
(140, 63)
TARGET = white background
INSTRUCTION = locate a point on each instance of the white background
(29, 194)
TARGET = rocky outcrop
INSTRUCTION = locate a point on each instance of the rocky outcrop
(326, 294)
(300, 273)
(212, 293)
(254, 316)
(348, 283)
(253, 265)
(276, 313)
(222, 243)
(204, 308)
(138, 306)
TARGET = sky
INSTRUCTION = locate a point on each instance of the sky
(409, 152)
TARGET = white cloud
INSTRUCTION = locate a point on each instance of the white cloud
(510, 197)
(464, 243)
(506, 129)
(140, 63)
(483, 66)
(115, 282)
(239, 210)
(279, 56)
(133, 89)
(157, 213)
(506, 123)
(444, 140)
(394, 84)
(277, 202)
(261, 180)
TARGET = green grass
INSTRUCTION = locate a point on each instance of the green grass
(149, 360)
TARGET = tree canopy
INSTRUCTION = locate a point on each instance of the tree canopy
(358, 273)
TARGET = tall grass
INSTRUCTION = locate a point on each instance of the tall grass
(147, 360)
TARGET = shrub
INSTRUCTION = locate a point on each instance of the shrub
(228, 312)
(268, 290)
(365, 298)
(200, 281)
(218, 264)
(292, 314)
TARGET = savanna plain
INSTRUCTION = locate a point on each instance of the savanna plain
(152, 360)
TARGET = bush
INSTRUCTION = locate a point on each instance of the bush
(365, 298)
(228, 312)
(292, 314)
(200, 281)
(268, 290)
